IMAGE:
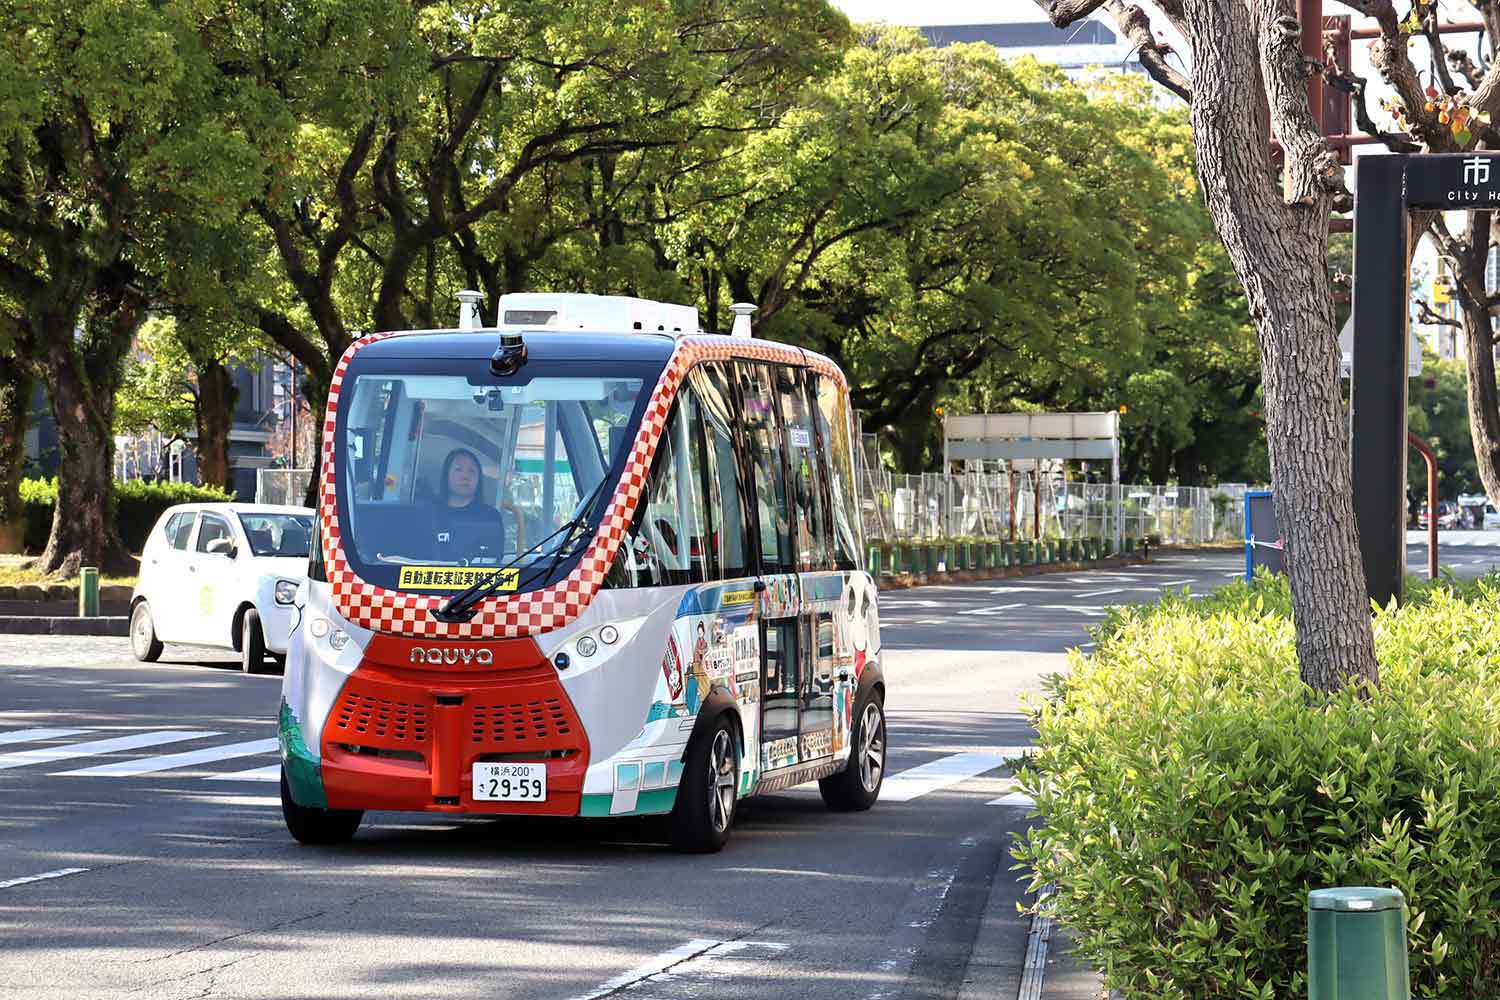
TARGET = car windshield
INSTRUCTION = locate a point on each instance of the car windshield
(445, 471)
(284, 535)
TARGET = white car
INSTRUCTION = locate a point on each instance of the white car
(1491, 517)
(221, 574)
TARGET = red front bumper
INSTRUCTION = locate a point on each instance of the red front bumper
(407, 738)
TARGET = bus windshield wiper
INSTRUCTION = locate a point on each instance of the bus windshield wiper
(461, 607)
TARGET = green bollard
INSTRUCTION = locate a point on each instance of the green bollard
(1356, 944)
(88, 592)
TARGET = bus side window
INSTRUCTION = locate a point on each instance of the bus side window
(726, 501)
(665, 538)
(834, 425)
(764, 440)
(804, 462)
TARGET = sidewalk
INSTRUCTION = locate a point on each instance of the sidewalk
(1004, 946)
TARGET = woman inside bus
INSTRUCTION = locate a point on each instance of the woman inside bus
(468, 529)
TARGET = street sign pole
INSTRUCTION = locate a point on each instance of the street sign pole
(1377, 392)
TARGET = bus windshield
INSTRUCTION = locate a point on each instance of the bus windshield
(445, 472)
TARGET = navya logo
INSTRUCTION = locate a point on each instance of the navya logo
(453, 656)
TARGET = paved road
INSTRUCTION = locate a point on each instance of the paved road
(155, 793)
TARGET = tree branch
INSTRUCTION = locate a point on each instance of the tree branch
(1136, 26)
(1428, 315)
(1312, 169)
(1354, 86)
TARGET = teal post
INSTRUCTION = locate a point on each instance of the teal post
(88, 592)
(1356, 945)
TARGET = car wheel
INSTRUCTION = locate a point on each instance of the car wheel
(857, 786)
(310, 825)
(704, 811)
(143, 641)
(252, 644)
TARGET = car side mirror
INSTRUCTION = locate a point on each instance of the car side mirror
(220, 546)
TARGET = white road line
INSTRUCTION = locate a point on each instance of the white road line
(1013, 799)
(166, 762)
(1174, 583)
(993, 609)
(271, 772)
(652, 967)
(1102, 593)
(944, 771)
(930, 621)
(59, 873)
(1093, 612)
(36, 735)
(47, 755)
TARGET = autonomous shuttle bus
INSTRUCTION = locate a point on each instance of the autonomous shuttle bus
(592, 562)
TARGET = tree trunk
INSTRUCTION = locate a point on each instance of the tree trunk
(1479, 353)
(17, 382)
(214, 413)
(1279, 246)
(315, 391)
(83, 522)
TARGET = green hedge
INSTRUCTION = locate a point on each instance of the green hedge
(1194, 790)
(137, 506)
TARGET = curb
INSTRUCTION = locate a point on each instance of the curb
(905, 580)
(41, 625)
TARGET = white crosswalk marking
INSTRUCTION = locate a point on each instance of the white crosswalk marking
(950, 770)
(1013, 798)
(36, 735)
(46, 755)
(166, 762)
(271, 772)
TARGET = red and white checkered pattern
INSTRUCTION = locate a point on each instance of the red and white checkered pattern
(399, 613)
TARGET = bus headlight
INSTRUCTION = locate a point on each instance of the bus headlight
(587, 646)
(286, 591)
(338, 639)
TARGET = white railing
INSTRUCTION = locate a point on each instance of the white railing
(282, 486)
(1001, 507)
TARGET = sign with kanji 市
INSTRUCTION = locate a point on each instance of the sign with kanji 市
(1385, 189)
(1453, 181)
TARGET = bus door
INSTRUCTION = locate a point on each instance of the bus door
(796, 710)
(819, 587)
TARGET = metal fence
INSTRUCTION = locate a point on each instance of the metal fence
(282, 486)
(1002, 506)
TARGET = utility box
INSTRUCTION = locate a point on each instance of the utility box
(1263, 545)
(1356, 944)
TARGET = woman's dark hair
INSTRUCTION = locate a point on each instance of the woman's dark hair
(448, 467)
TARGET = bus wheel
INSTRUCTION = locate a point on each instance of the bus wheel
(856, 787)
(252, 643)
(706, 798)
(309, 825)
(143, 641)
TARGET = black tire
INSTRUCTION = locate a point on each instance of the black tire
(278, 661)
(310, 825)
(857, 786)
(143, 641)
(704, 811)
(252, 643)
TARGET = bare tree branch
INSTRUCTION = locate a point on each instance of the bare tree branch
(1136, 26)
(1466, 68)
(1065, 12)
(1428, 315)
(1354, 86)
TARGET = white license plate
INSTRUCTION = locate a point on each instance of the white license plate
(510, 782)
